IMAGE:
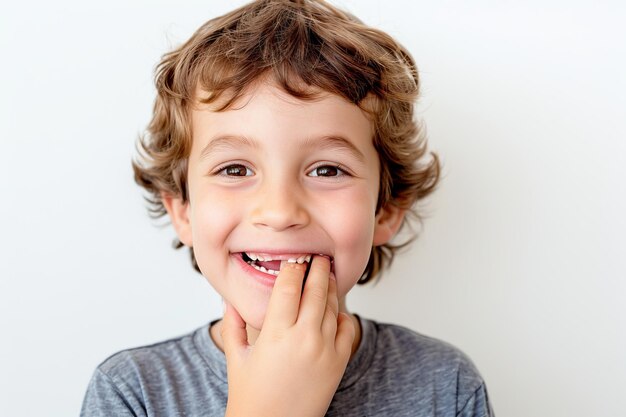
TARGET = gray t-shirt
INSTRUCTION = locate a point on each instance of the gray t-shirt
(394, 372)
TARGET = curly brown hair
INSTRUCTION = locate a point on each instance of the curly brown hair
(300, 44)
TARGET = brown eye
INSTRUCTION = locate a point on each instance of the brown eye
(236, 170)
(326, 171)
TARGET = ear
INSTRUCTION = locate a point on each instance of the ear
(179, 215)
(388, 221)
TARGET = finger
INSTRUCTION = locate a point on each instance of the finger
(345, 336)
(333, 297)
(313, 304)
(329, 324)
(234, 335)
(282, 310)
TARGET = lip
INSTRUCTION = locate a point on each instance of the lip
(283, 254)
(268, 280)
(262, 278)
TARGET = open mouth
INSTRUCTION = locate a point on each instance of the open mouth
(270, 264)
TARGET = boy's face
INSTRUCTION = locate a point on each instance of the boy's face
(282, 178)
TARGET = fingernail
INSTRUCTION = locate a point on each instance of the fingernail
(332, 276)
(283, 263)
(324, 256)
(291, 263)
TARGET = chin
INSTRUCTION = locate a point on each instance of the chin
(253, 314)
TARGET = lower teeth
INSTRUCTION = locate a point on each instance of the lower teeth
(262, 268)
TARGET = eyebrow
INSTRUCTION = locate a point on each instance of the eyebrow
(327, 142)
(227, 142)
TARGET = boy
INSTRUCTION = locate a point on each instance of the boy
(283, 149)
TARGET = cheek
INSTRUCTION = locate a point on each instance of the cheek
(213, 218)
(351, 227)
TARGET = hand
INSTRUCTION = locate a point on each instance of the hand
(302, 351)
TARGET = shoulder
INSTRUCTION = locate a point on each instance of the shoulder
(149, 361)
(132, 381)
(429, 365)
(406, 344)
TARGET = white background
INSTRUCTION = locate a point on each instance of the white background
(521, 260)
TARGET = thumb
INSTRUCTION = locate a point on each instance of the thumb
(233, 332)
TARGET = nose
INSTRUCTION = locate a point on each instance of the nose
(279, 205)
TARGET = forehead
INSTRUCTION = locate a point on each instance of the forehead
(265, 108)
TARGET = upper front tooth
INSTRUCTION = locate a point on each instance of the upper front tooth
(263, 258)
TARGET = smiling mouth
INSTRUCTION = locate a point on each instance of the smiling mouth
(270, 264)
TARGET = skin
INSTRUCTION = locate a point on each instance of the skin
(278, 185)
